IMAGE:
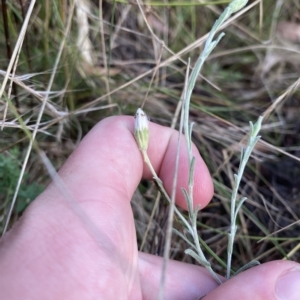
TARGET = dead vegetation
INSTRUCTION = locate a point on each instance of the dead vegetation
(81, 62)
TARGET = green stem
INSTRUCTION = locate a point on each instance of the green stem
(163, 191)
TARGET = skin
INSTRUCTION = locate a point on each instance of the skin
(77, 240)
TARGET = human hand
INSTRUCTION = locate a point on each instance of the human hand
(77, 240)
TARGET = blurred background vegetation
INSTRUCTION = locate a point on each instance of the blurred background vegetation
(119, 55)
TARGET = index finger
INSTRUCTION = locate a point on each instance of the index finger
(109, 157)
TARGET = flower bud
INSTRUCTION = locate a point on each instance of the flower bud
(141, 132)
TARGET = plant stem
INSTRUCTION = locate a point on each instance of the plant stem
(234, 208)
(191, 228)
(162, 189)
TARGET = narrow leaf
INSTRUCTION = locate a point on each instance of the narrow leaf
(247, 266)
(184, 238)
(197, 258)
(191, 171)
(188, 200)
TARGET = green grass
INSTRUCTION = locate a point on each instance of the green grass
(237, 86)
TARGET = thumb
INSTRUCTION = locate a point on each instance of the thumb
(278, 280)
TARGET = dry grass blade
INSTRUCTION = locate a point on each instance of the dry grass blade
(32, 138)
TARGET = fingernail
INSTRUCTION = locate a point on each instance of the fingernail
(288, 286)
